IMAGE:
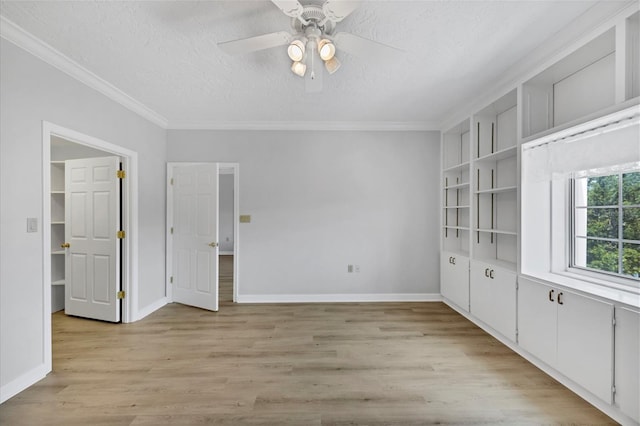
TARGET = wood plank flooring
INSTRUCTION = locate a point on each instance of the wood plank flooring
(291, 364)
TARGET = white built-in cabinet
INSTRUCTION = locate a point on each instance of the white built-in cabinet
(57, 236)
(454, 270)
(570, 332)
(587, 341)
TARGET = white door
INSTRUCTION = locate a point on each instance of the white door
(195, 235)
(92, 218)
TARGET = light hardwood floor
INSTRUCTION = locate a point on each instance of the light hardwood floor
(291, 364)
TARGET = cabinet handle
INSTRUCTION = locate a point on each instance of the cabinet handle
(551, 295)
(486, 272)
(560, 302)
(491, 274)
(453, 260)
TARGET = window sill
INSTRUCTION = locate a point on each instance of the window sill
(591, 286)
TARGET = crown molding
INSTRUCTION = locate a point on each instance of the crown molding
(378, 126)
(26, 41)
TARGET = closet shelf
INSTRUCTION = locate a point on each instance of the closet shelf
(58, 282)
(456, 207)
(495, 231)
(498, 155)
(57, 192)
(457, 186)
(57, 222)
(457, 167)
(460, 228)
(496, 190)
(57, 252)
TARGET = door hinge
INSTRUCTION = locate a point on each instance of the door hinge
(613, 390)
(613, 321)
(171, 181)
(120, 235)
(171, 280)
(172, 229)
(121, 174)
(120, 294)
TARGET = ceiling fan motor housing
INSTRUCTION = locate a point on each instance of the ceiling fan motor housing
(313, 16)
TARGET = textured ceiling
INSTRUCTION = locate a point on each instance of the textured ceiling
(164, 55)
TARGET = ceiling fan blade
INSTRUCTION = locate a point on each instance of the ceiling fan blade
(291, 8)
(360, 46)
(337, 10)
(252, 44)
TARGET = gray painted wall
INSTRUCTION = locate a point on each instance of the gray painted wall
(33, 91)
(322, 200)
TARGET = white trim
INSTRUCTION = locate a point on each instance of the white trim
(392, 126)
(339, 298)
(130, 225)
(148, 310)
(25, 40)
(21, 383)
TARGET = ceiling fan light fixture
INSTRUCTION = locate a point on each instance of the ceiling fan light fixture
(296, 50)
(332, 65)
(299, 68)
(326, 49)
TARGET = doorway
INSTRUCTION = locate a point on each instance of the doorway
(69, 143)
(202, 234)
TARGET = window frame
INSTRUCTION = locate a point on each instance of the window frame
(609, 278)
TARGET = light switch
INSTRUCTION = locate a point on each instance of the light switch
(245, 218)
(32, 224)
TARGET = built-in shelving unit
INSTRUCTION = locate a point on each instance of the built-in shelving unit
(57, 236)
(495, 182)
(550, 321)
(456, 189)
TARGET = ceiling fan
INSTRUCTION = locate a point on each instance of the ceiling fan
(314, 42)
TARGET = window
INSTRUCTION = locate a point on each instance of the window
(606, 224)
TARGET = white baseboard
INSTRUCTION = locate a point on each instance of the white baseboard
(147, 310)
(339, 298)
(19, 384)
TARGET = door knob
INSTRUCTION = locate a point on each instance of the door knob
(65, 245)
(213, 244)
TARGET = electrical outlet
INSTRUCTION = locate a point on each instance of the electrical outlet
(349, 268)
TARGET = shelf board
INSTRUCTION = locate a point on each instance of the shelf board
(57, 252)
(460, 228)
(57, 222)
(496, 231)
(497, 190)
(57, 192)
(499, 155)
(457, 167)
(58, 282)
(57, 161)
(456, 207)
(457, 186)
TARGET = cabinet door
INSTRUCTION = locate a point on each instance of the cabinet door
(537, 319)
(627, 371)
(454, 272)
(492, 297)
(585, 342)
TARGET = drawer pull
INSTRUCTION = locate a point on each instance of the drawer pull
(551, 295)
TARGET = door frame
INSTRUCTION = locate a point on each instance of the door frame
(236, 221)
(129, 254)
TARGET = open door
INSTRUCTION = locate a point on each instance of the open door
(195, 235)
(92, 225)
